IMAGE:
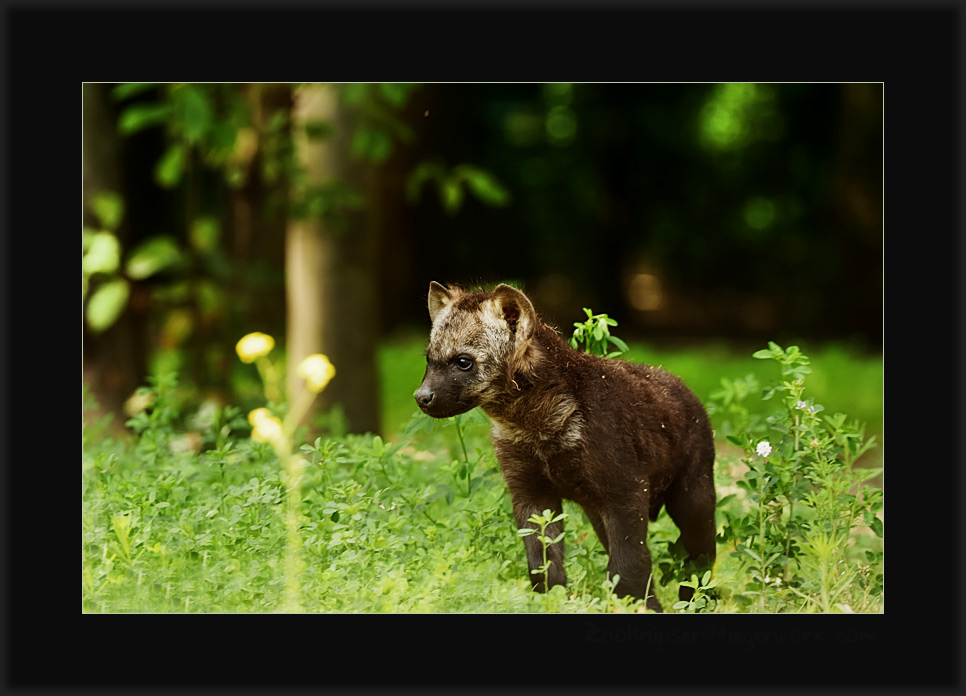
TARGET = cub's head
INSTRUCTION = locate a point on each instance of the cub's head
(478, 342)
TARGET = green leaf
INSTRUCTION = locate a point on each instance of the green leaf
(354, 93)
(619, 343)
(762, 354)
(88, 238)
(108, 207)
(380, 146)
(370, 143)
(451, 194)
(103, 254)
(167, 172)
(130, 89)
(876, 526)
(194, 111)
(394, 93)
(221, 141)
(205, 234)
(484, 186)
(106, 304)
(152, 256)
(751, 553)
(141, 116)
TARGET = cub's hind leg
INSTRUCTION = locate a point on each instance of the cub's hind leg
(690, 502)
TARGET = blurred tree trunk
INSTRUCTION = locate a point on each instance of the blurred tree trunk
(113, 362)
(330, 265)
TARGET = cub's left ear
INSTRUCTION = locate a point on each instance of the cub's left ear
(440, 297)
(517, 310)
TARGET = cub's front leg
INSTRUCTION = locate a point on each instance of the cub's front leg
(531, 493)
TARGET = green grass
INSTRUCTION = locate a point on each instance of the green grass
(384, 529)
(414, 523)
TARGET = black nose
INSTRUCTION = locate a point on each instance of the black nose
(424, 396)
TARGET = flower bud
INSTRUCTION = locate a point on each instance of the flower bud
(317, 371)
(265, 426)
(254, 346)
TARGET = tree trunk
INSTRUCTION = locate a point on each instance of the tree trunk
(330, 264)
(113, 362)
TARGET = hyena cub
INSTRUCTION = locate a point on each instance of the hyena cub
(619, 439)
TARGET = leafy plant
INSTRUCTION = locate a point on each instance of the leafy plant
(543, 521)
(701, 599)
(377, 105)
(805, 496)
(595, 335)
(450, 185)
(205, 121)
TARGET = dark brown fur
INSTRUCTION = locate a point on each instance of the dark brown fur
(619, 439)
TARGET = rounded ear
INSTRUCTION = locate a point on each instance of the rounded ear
(517, 311)
(440, 297)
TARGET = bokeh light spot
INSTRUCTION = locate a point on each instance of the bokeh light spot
(645, 293)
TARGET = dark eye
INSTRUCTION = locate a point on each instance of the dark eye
(464, 363)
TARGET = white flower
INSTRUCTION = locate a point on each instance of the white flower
(764, 448)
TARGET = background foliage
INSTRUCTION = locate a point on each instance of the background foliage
(747, 212)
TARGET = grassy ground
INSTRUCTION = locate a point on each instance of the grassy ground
(419, 522)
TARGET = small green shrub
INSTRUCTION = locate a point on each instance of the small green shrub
(594, 333)
(804, 502)
(543, 521)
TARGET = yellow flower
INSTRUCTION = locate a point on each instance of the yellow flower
(317, 371)
(254, 346)
(265, 426)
